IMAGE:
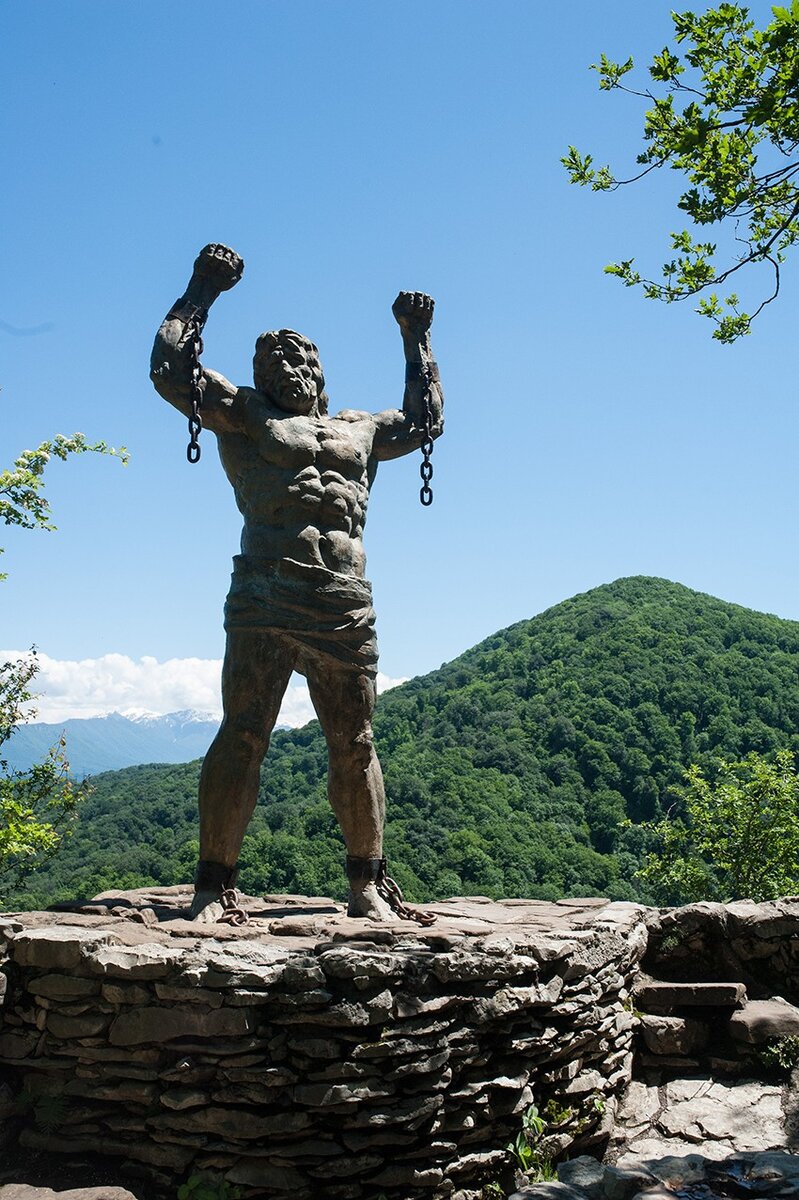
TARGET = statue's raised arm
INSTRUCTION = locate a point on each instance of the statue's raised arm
(399, 431)
(216, 270)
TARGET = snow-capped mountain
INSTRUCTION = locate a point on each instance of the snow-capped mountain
(95, 744)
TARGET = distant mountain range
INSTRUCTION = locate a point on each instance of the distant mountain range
(95, 744)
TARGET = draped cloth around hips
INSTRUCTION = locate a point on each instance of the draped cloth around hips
(326, 614)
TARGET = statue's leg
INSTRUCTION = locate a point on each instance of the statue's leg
(344, 701)
(255, 674)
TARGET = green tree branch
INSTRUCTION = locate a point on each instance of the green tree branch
(740, 119)
(22, 501)
(37, 806)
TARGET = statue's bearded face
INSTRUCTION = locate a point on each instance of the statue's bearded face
(287, 368)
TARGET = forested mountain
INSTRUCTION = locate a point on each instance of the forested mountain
(509, 771)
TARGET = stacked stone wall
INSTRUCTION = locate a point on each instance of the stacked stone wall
(323, 1065)
(756, 944)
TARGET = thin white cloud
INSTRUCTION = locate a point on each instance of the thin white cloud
(93, 687)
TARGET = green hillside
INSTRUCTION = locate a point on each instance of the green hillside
(508, 771)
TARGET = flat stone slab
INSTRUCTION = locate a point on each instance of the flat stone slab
(699, 1115)
(763, 1020)
(24, 1191)
(664, 997)
(159, 917)
(659, 1176)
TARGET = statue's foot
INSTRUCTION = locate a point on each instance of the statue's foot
(206, 907)
(368, 903)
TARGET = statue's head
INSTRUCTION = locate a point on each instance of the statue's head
(286, 367)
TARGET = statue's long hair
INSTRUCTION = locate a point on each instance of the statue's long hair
(269, 353)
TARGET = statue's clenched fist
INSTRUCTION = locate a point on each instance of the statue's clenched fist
(413, 312)
(219, 266)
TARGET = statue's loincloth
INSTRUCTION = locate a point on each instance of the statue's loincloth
(323, 612)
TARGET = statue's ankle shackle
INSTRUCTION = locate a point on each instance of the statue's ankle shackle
(216, 877)
(375, 870)
(366, 870)
(213, 876)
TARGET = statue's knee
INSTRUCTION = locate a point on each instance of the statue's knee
(247, 734)
(359, 749)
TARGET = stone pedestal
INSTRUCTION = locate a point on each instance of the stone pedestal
(308, 1054)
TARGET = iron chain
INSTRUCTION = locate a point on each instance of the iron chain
(195, 389)
(232, 912)
(426, 467)
(389, 890)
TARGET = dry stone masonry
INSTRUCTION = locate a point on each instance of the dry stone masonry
(307, 1047)
(314, 1056)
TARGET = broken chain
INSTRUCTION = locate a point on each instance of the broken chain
(193, 333)
(233, 913)
(389, 890)
(426, 466)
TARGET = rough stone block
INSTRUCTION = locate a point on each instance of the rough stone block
(663, 997)
(584, 1173)
(24, 1191)
(659, 1192)
(405, 1175)
(147, 960)
(585, 1082)
(17, 1045)
(510, 1000)
(180, 1098)
(189, 995)
(172, 1158)
(125, 993)
(318, 1095)
(162, 1024)
(120, 1092)
(619, 1183)
(237, 1123)
(669, 1035)
(62, 987)
(58, 947)
(262, 1172)
(761, 1020)
(549, 1191)
(87, 1026)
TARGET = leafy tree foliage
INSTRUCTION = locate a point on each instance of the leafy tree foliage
(36, 806)
(736, 837)
(533, 765)
(22, 499)
(727, 118)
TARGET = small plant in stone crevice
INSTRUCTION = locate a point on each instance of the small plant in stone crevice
(529, 1148)
(202, 1186)
(526, 1148)
(669, 943)
(591, 1110)
(780, 1055)
(555, 1114)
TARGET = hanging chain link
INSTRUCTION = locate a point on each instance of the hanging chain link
(426, 466)
(194, 338)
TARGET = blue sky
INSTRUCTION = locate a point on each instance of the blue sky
(347, 150)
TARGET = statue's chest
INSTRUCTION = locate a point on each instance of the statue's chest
(300, 442)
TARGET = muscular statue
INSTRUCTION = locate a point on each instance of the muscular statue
(299, 599)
